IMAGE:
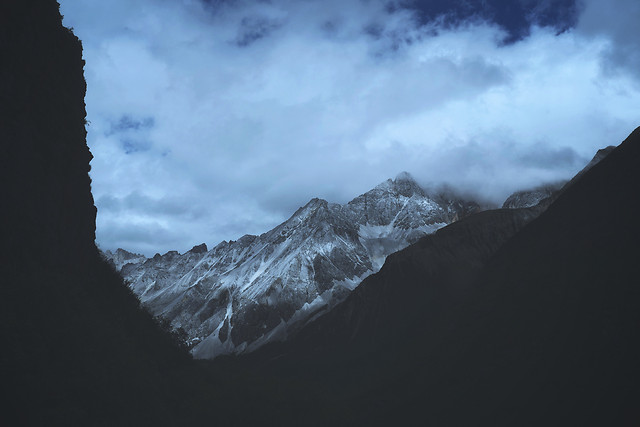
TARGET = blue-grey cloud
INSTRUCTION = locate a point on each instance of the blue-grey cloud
(132, 133)
(552, 158)
(615, 24)
(254, 28)
(126, 123)
(210, 120)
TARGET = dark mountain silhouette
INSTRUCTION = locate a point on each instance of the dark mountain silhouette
(491, 321)
(498, 319)
(76, 348)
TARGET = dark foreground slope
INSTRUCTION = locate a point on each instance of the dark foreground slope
(552, 334)
(491, 321)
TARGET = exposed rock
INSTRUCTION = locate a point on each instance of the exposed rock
(277, 281)
(528, 198)
(121, 258)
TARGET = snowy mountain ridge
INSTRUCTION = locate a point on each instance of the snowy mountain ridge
(242, 294)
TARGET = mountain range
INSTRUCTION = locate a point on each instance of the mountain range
(243, 294)
(523, 316)
(257, 289)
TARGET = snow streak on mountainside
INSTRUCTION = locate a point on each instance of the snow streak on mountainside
(242, 294)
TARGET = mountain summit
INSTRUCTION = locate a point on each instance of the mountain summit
(245, 293)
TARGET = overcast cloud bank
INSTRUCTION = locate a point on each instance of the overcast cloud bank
(209, 120)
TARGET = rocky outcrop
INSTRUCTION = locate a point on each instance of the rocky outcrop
(121, 258)
(529, 198)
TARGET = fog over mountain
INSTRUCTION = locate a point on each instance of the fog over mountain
(210, 120)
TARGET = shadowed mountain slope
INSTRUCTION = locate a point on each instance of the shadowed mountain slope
(552, 333)
(482, 324)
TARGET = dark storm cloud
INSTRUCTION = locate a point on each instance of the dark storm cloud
(213, 120)
(486, 167)
(131, 146)
(546, 157)
(615, 22)
(514, 16)
(254, 28)
(126, 123)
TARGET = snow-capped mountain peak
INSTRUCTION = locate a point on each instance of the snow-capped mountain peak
(242, 294)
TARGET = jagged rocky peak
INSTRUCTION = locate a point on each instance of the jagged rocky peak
(405, 185)
(121, 257)
(310, 208)
(382, 205)
(600, 154)
(199, 249)
(245, 293)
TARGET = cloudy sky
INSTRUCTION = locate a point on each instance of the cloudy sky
(210, 119)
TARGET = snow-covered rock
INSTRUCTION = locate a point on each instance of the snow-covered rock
(529, 198)
(120, 258)
(242, 294)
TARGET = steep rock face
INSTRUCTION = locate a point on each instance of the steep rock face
(77, 349)
(243, 294)
(120, 258)
(44, 154)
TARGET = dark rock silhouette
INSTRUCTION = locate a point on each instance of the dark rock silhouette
(76, 348)
(482, 324)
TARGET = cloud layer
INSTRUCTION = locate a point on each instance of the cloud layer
(210, 120)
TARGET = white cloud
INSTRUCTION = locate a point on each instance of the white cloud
(237, 137)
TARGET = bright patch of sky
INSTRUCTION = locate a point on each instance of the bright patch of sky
(210, 120)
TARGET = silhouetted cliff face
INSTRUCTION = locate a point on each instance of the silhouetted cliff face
(76, 348)
(48, 204)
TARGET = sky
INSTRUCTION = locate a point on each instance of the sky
(211, 119)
